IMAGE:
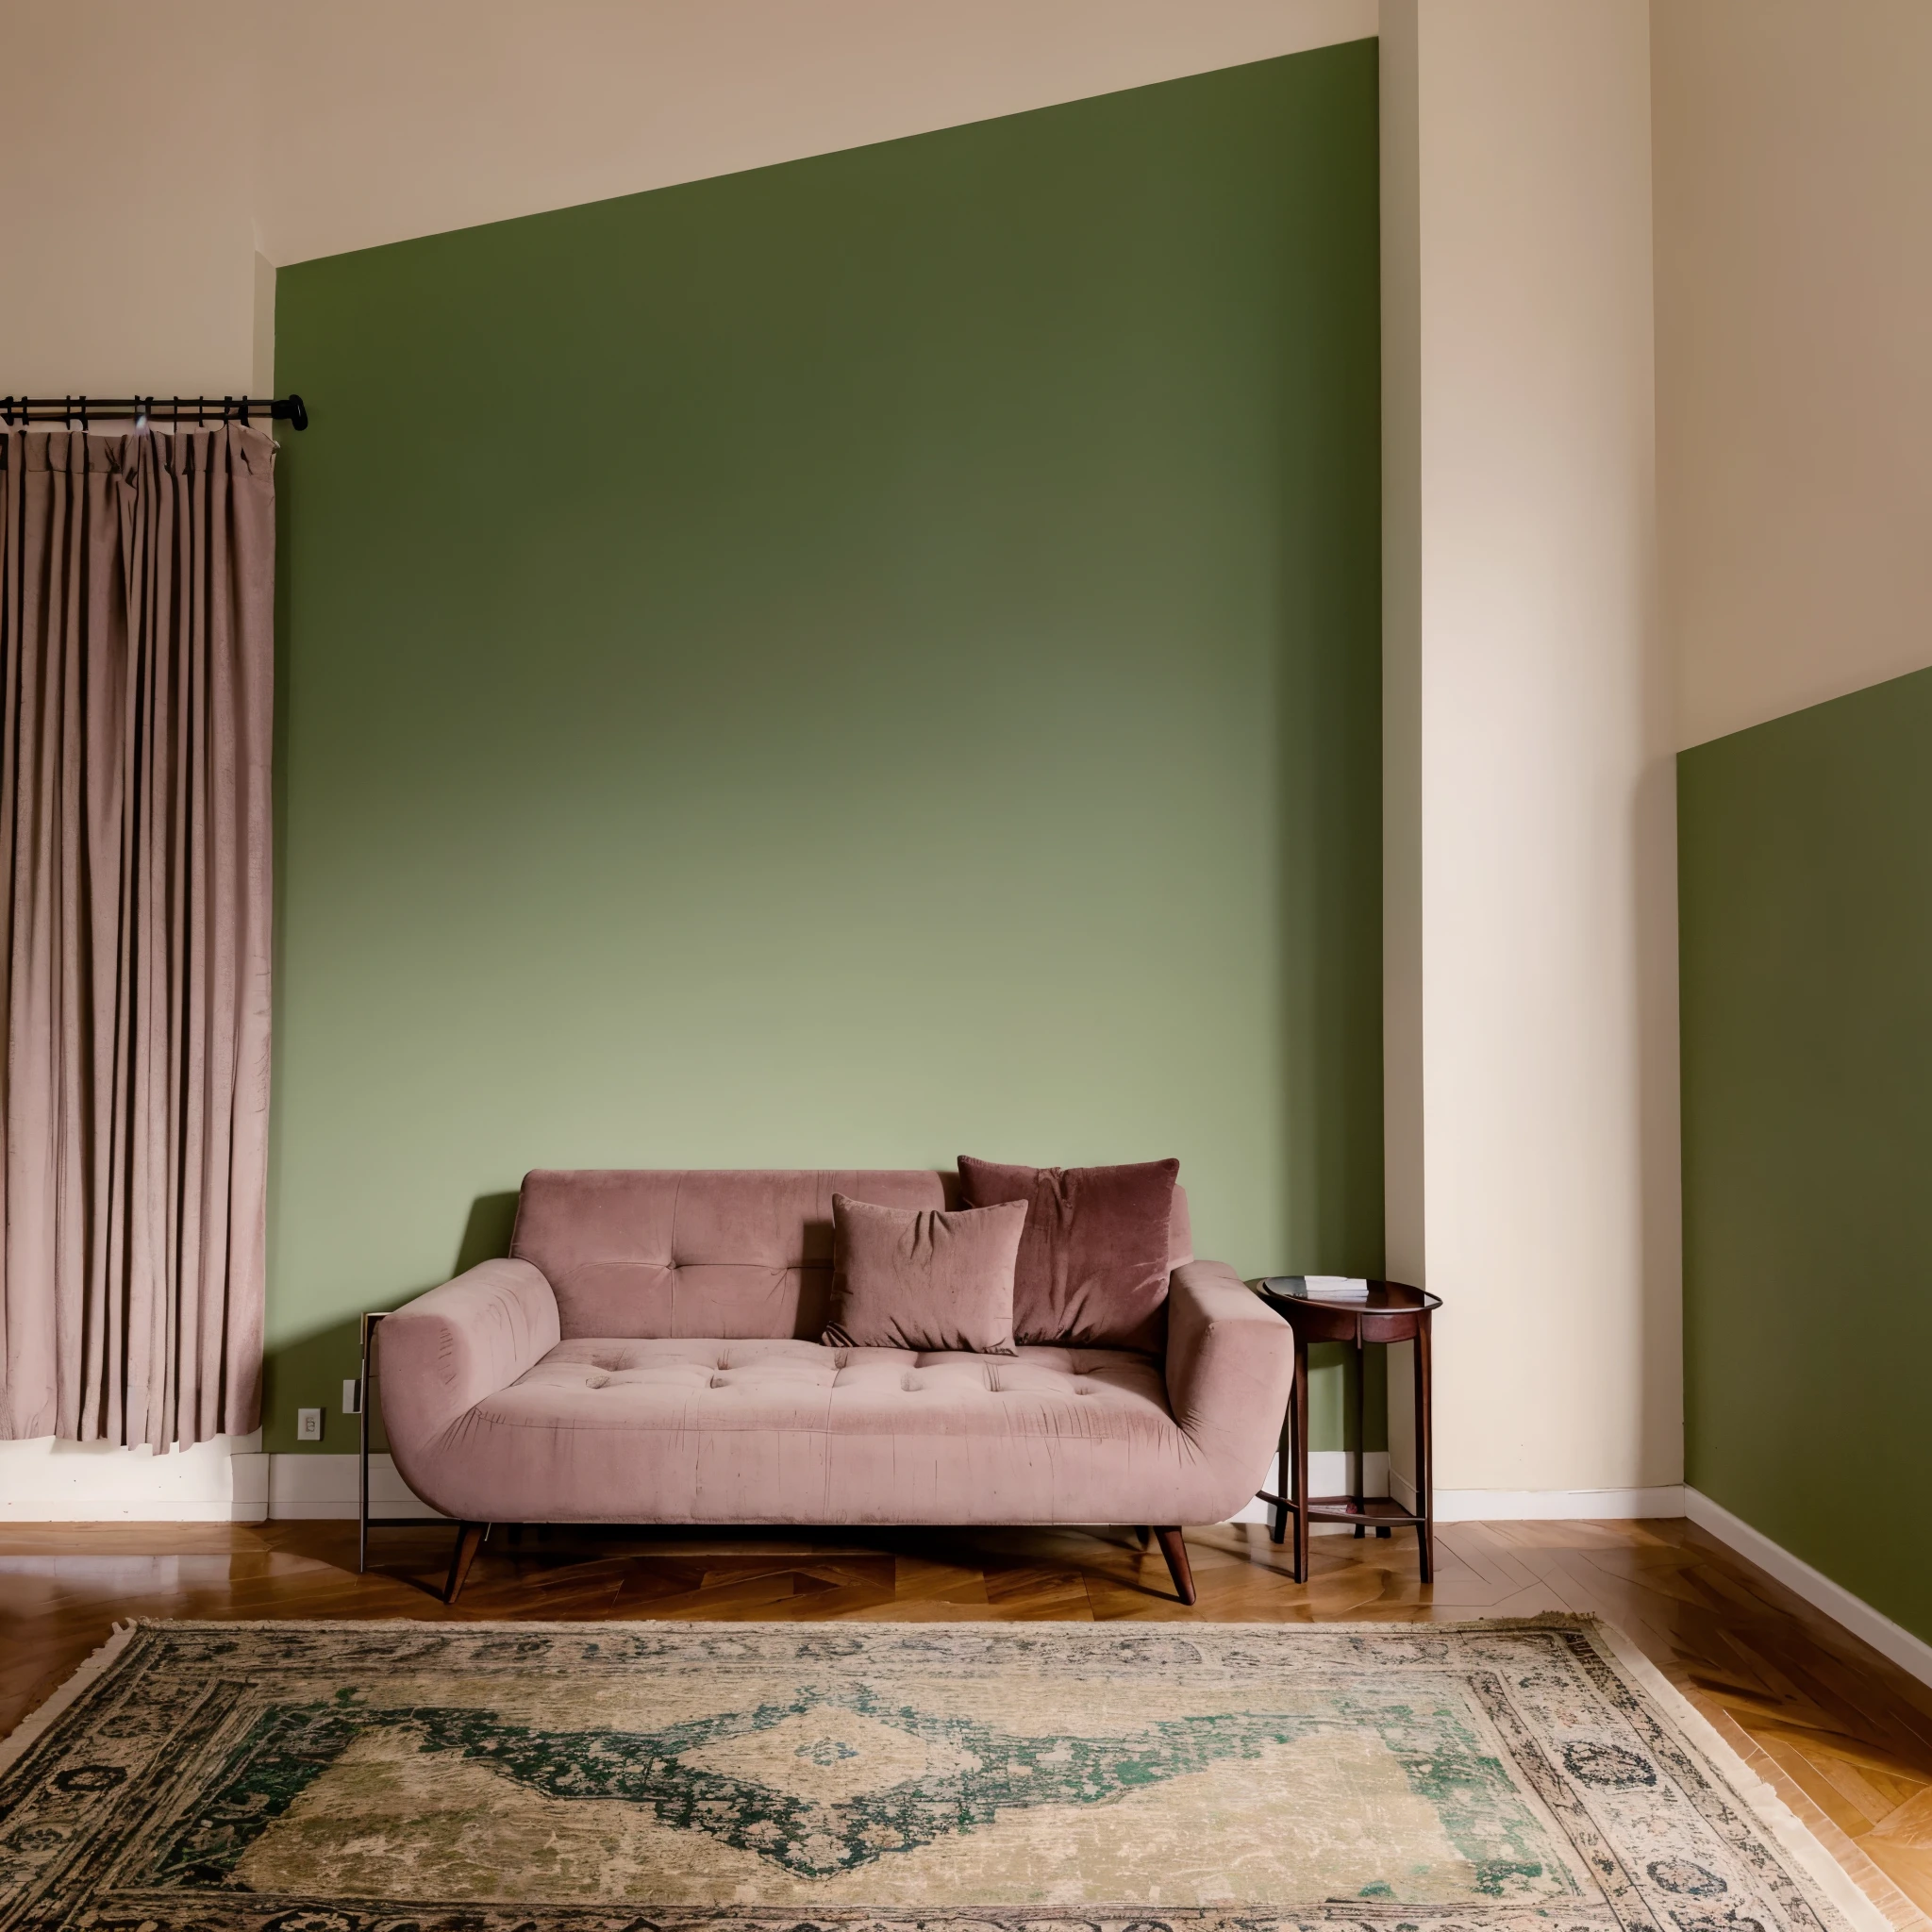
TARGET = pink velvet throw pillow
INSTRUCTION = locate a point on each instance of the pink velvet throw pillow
(1092, 1268)
(924, 1277)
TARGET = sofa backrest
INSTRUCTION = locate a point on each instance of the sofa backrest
(729, 1254)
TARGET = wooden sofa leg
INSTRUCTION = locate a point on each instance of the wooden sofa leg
(468, 1541)
(1176, 1550)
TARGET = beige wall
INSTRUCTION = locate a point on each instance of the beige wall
(1793, 144)
(1531, 946)
(399, 121)
(126, 196)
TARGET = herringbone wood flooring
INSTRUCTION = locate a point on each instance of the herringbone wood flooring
(1844, 1734)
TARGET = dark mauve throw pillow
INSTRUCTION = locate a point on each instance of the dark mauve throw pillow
(923, 1277)
(1092, 1268)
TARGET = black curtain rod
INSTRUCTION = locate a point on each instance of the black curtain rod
(75, 411)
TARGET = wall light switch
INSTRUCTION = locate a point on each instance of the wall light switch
(309, 1426)
(352, 1396)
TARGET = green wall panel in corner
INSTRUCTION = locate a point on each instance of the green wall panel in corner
(842, 664)
(1806, 889)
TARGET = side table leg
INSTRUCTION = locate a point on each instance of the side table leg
(363, 1457)
(1284, 1462)
(1362, 1378)
(1424, 1457)
(1300, 1459)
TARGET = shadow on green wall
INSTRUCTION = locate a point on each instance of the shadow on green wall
(330, 1356)
(486, 1234)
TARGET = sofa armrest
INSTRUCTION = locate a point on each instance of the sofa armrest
(441, 1354)
(1230, 1359)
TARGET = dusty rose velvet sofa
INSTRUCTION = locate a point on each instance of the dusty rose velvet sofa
(649, 1353)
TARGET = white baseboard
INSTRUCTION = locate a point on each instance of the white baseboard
(309, 1487)
(1328, 1474)
(225, 1480)
(1909, 1653)
(1555, 1505)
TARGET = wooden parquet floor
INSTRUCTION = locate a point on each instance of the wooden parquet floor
(1844, 1736)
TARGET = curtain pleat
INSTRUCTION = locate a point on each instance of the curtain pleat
(137, 655)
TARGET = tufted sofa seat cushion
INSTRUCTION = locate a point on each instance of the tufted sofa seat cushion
(803, 1385)
(678, 1430)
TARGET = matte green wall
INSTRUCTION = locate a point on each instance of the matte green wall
(840, 665)
(1805, 881)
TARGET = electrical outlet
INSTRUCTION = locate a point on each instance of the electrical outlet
(309, 1426)
(352, 1397)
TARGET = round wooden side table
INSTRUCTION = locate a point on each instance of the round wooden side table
(1392, 1312)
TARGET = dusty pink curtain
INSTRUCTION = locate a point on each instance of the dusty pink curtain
(137, 639)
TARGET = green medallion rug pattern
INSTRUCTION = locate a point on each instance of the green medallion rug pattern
(640, 1778)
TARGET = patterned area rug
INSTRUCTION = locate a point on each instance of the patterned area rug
(420, 1777)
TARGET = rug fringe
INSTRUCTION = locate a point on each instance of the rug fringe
(981, 1625)
(1755, 1793)
(27, 1732)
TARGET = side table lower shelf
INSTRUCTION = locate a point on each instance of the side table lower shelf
(1383, 1514)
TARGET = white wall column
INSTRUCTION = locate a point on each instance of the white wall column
(1530, 931)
